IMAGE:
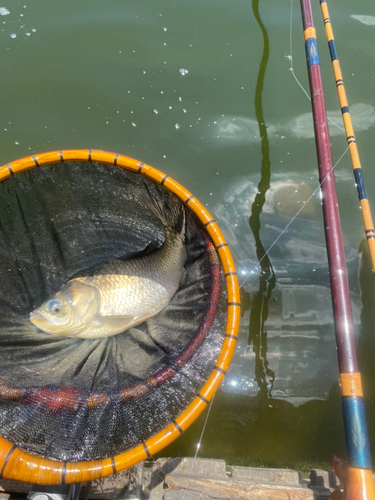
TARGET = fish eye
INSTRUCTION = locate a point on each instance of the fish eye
(54, 306)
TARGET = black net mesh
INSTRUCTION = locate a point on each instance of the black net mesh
(75, 399)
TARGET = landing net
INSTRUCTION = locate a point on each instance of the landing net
(73, 400)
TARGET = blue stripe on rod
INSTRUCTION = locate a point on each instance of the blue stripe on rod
(356, 433)
(345, 109)
(311, 48)
(360, 184)
(332, 50)
(322, 1)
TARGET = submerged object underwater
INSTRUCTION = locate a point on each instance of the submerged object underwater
(110, 298)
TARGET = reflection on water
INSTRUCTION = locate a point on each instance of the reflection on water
(301, 348)
(264, 376)
(368, 20)
(232, 130)
(363, 118)
(290, 352)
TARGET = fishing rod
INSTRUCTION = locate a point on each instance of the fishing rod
(350, 137)
(360, 482)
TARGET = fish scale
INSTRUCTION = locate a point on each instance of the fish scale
(138, 285)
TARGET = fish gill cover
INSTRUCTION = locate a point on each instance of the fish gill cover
(76, 399)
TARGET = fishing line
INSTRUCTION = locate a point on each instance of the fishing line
(290, 57)
(204, 428)
(185, 491)
(292, 219)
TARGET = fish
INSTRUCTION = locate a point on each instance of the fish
(109, 298)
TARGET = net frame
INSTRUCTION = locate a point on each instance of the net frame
(22, 466)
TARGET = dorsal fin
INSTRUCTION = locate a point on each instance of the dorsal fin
(151, 247)
(98, 268)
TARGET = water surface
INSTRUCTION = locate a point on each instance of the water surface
(203, 91)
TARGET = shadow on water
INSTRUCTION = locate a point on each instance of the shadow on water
(264, 376)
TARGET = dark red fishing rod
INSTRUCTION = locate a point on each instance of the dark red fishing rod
(360, 481)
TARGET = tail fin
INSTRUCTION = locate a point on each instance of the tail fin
(163, 204)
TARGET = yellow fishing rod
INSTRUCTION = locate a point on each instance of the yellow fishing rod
(350, 137)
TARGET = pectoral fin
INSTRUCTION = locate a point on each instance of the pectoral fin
(106, 326)
(183, 277)
(118, 323)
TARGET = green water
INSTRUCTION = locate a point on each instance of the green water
(203, 91)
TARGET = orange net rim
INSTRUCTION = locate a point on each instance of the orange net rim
(21, 466)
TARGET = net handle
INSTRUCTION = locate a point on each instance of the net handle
(21, 466)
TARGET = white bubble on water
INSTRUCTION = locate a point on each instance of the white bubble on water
(28, 34)
(13, 35)
(156, 111)
(165, 29)
(33, 30)
(4, 11)
(134, 125)
(177, 126)
(184, 110)
(183, 71)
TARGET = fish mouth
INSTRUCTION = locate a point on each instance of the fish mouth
(36, 317)
(40, 321)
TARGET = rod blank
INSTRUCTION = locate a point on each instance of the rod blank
(360, 482)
